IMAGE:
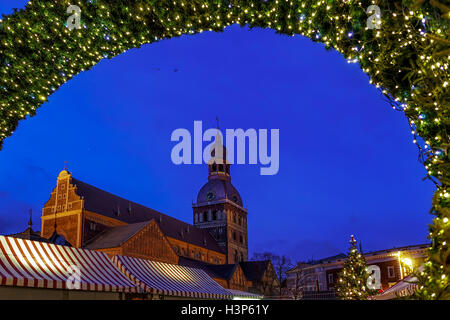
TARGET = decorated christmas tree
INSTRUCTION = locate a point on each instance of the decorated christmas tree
(352, 280)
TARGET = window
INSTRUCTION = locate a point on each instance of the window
(234, 235)
(234, 218)
(241, 239)
(205, 216)
(214, 215)
(330, 278)
(240, 220)
(391, 272)
(93, 226)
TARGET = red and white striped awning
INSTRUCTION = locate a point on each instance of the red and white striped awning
(243, 295)
(402, 288)
(170, 279)
(26, 263)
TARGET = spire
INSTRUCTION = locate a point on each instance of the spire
(219, 167)
(65, 165)
(30, 222)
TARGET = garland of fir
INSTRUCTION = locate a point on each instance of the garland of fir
(407, 59)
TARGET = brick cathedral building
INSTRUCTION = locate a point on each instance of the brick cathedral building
(83, 216)
(87, 217)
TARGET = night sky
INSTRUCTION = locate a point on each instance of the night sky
(347, 161)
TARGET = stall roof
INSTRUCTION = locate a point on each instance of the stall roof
(402, 288)
(169, 279)
(27, 263)
(237, 294)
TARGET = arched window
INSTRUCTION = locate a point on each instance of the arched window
(236, 256)
(214, 167)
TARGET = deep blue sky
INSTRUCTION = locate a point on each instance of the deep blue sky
(347, 161)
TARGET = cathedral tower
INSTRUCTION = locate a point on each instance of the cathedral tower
(219, 207)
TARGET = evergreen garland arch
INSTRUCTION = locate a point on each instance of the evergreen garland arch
(406, 58)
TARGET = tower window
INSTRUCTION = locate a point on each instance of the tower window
(214, 167)
(214, 215)
(234, 235)
(391, 272)
(221, 167)
(241, 239)
(205, 216)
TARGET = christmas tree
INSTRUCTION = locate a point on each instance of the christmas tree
(352, 280)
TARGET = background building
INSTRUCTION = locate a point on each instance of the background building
(321, 276)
